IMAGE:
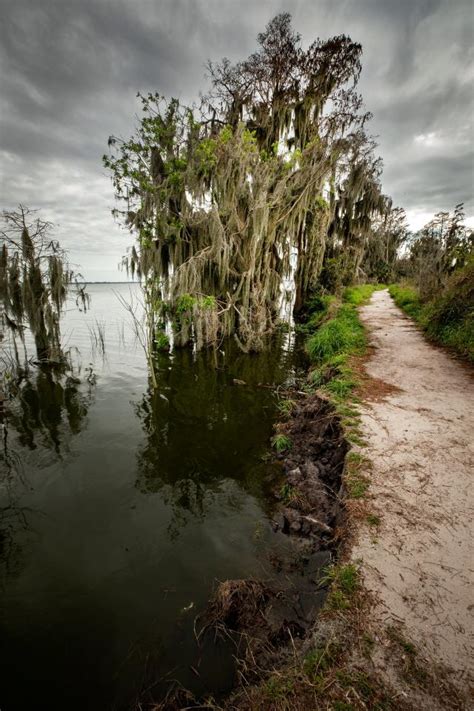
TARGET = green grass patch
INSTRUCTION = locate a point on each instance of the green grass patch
(373, 519)
(407, 298)
(281, 442)
(357, 486)
(356, 439)
(344, 581)
(286, 406)
(341, 335)
(358, 295)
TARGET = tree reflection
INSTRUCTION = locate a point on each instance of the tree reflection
(202, 428)
(48, 405)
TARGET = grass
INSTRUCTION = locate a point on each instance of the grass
(407, 298)
(448, 317)
(331, 348)
(344, 581)
(356, 482)
(341, 335)
(288, 493)
(286, 406)
(281, 442)
(358, 295)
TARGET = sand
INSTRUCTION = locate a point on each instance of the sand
(419, 565)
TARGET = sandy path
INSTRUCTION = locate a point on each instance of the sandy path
(420, 440)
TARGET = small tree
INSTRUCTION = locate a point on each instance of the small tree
(438, 249)
(35, 279)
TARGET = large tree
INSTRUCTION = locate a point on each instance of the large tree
(231, 202)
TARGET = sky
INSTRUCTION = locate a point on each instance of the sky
(70, 71)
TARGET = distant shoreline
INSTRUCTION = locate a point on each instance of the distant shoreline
(108, 282)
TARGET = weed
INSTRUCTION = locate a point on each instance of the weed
(321, 659)
(396, 636)
(373, 519)
(356, 439)
(281, 442)
(357, 486)
(288, 493)
(355, 458)
(286, 406)
(341, 387)
(344, 581)
(278, 688)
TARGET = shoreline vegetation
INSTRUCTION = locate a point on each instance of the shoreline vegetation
(448, 317)
(334, 664)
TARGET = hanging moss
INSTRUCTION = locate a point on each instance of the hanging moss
(221, 200)
(35, 279)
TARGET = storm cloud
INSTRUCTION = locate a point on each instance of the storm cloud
(70, 71)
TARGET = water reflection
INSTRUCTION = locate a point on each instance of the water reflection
(48, 406)
(208, 422)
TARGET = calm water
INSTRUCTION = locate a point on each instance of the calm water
(120, 509)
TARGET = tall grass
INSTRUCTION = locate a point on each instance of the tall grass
(331, 344)
(342, 334)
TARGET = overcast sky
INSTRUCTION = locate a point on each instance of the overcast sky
(70, 71)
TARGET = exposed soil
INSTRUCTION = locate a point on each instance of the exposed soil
(419, 431)
(313, 469)
(269, 617)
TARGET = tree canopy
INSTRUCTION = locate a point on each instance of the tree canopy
(238, 203)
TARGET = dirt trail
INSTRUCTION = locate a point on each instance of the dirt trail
(420, 440)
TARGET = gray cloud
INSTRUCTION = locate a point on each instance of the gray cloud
(70, 72)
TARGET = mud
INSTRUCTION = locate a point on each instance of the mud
(313, 470)
(419, 567)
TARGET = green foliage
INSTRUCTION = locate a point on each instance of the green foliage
(358, 295)
(344, 333)
(407, 299)
(205, 155)
(278, 688)
(344, 581)
(217, 211)
(208, 302)
(281, 442)
(162, 342)
(286, 406)
(185, 303)
(447, 318)
(287, 493)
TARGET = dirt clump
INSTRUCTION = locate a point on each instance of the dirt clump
(313, 468)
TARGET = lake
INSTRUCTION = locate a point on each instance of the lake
(121, 508)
